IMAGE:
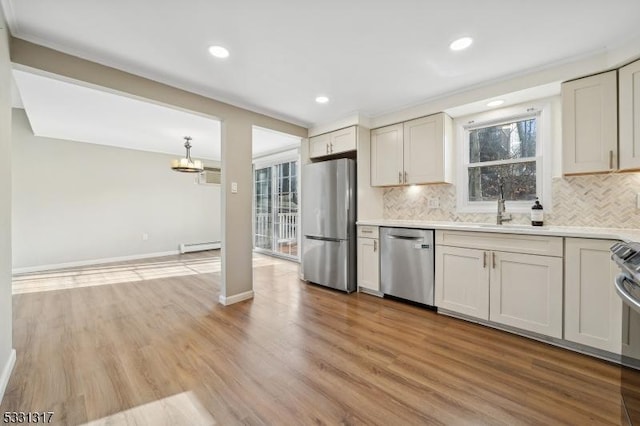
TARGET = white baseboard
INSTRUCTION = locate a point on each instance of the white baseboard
(90, 262)
(6, 373)
(226, 301)
(371, 292)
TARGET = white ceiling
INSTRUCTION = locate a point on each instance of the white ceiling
(369, 57)
(63, 110)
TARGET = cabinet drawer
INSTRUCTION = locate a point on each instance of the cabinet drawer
(366, 231)
(530, 244)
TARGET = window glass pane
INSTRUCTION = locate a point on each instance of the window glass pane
(519, 181)
(276, 209)
(503, 141)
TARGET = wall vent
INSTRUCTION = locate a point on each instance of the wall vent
(210, 176)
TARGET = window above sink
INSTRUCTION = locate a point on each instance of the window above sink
(512, 143)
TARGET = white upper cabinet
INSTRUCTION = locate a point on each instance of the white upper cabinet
(343, 140)
(319, 145)
(414, 152)
(629, 98)
(386, 156)
(427, 150)
(590, 124)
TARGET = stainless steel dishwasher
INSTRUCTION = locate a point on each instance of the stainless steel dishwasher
(406, 264)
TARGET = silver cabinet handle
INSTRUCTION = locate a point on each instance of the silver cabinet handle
(484, 259)
(330, 147)
(493, 260)
(405, 177)
(375, 245)
(327, 146)
(399, 177)
(366, 231)
(611, 159)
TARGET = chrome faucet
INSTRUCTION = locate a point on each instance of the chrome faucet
(502, 216)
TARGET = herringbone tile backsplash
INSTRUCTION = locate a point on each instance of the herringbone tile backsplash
(603, 201)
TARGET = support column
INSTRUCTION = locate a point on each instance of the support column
(237, 191)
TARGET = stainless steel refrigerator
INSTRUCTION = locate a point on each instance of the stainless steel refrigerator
(328, 223)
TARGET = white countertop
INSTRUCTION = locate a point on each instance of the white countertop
(557, 231)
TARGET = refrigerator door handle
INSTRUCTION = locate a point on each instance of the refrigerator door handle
(312, 237)
(347, 224)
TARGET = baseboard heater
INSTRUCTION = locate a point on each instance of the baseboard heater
(188, 248)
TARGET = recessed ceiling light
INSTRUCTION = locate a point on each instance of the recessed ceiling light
(322, 99)
(461, 43)
(495, 103)
(218, 51)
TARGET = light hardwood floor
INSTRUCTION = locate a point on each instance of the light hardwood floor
(157, 348)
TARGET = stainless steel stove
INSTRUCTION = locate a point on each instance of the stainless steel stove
(627, 283)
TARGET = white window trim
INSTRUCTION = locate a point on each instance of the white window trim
(542, 111)
(276, 158)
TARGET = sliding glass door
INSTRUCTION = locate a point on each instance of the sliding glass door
(276, 214)
(263, 209)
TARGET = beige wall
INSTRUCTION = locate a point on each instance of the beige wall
(5, 207)
(75, 201)
(236, 143)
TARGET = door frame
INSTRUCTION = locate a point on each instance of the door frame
(291, 155)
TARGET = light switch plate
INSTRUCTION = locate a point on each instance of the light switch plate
(433, 203)
(234, 187)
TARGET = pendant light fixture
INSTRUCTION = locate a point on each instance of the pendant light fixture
(187, 165)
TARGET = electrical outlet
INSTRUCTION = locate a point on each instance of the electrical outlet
(433, 203)
(145, 236)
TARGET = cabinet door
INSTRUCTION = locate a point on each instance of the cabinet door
(593, 310)
(368, 264)
(590, 124)
(629, 97)
(343, 140)
(386, 156)
(319, 145)
(462, 281)
(526, 292)
(424, 159)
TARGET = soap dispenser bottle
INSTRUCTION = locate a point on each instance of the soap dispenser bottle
(537, 214)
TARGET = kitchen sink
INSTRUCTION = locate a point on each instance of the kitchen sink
(506, 226)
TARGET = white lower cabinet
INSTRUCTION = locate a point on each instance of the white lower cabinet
(462, 281)
(368, 259)
(515, 289)
(593, 310)
(526, 292)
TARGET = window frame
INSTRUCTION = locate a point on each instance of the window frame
(541, 111)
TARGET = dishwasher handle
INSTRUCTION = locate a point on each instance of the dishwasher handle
(403, 237)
